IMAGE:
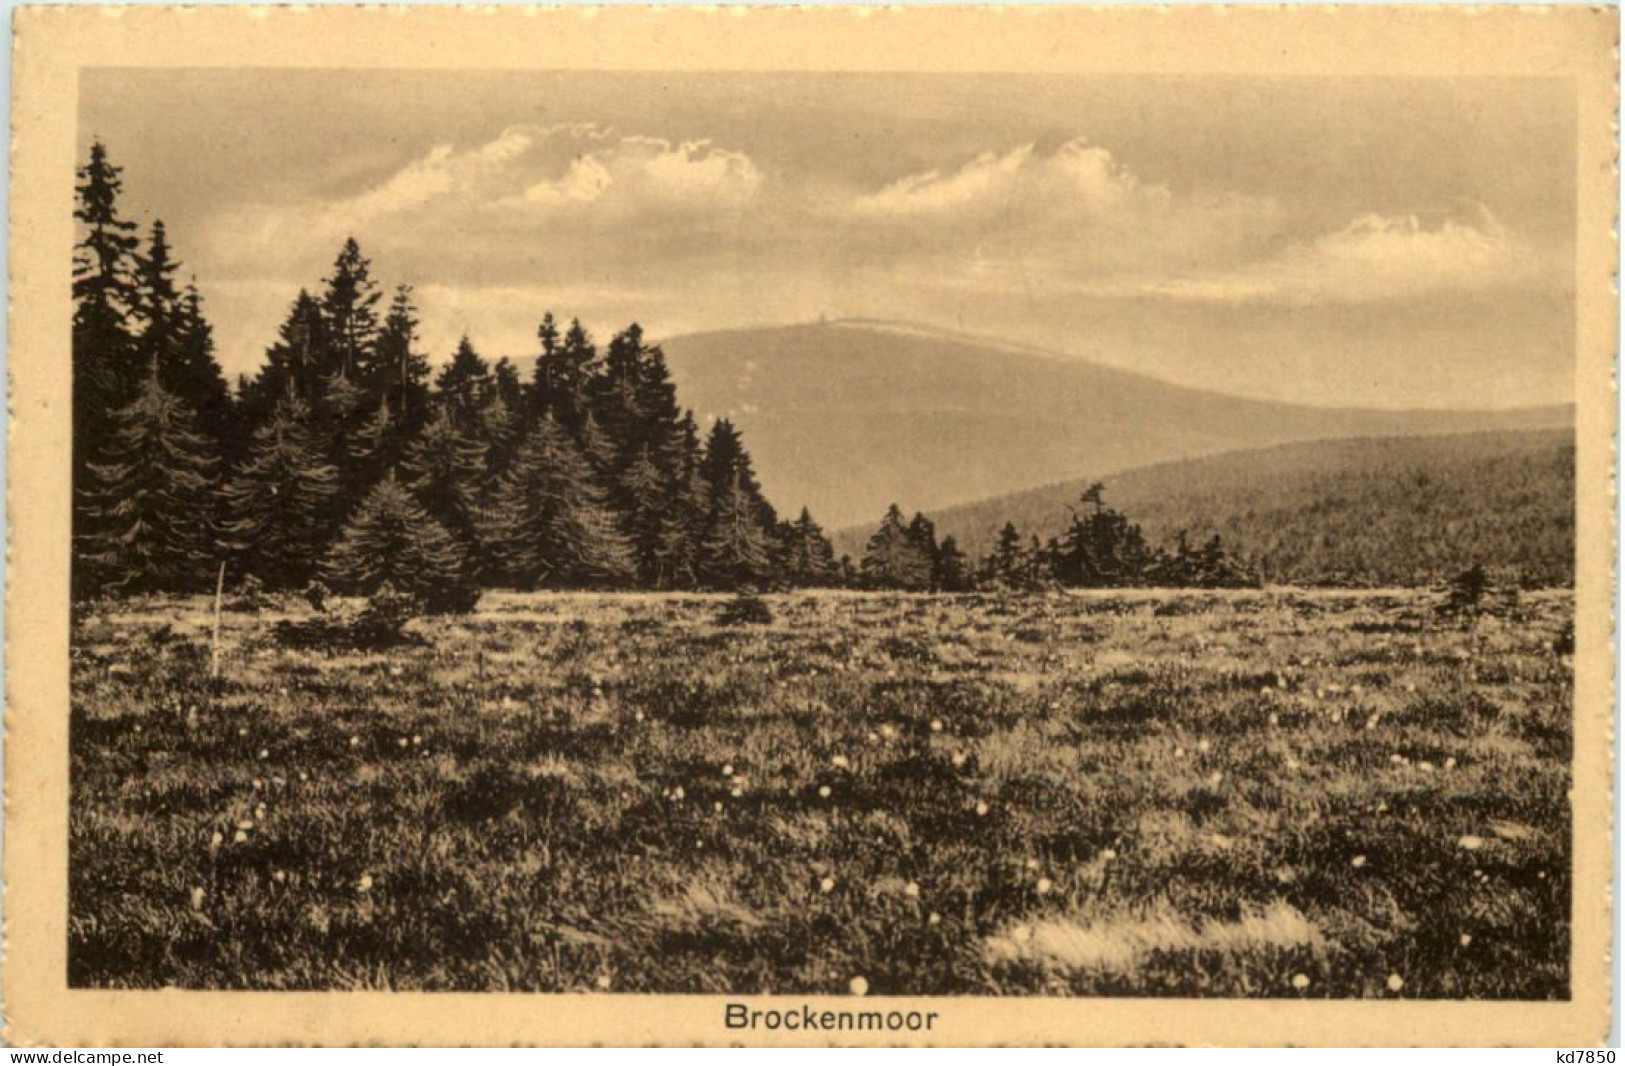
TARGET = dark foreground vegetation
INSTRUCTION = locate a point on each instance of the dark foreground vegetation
(1128, 793)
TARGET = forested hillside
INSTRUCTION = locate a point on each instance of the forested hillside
(848, 416)
(1392, 511)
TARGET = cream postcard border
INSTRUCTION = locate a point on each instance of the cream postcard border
(53, 45)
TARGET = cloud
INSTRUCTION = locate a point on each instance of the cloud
(648, 173)
(1374, 258)
(1075, 219)
(1071, 211)
(1076, 178)
(528, 185)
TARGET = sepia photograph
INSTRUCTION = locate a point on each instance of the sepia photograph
(823, 534)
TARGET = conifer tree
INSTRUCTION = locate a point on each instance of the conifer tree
(294, 361)
(922, 534)
(350, 308)
(893, 558)
(598, 449)
(500, 429)
(401, 371)
(146, 528)
(1007, 564)
(809, 558)
(614, 394)
(444, 466)
(105, 365)
(648, 493)
(375, 448)
(683, 523)
(549, 523)
(392, 541)
(952, 574)
(281, 502)
(157, 309)
(551, 384)
(464, 385)
(737, 551)
(197, 379)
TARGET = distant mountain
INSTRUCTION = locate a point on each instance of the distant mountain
(1395, 511)
(848, 416)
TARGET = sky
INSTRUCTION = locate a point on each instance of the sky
(1336, 241)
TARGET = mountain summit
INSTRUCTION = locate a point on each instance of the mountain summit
(847, 416)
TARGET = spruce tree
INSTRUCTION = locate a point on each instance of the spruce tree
(197, 379)
(157, 309)
(549, 523)
(809, 558)
(464, 385)
(444, 466)
(390, 540)
(105, 365)
(649, 497)
(401, 372)
(922, 534)
(551, 385)
(952, 574)
(1006, 565)
(350, 308)
(281, 502)
(147, 519)
(737, 551)
(893, 559)
(294, 361)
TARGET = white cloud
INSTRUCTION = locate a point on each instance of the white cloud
(646, 173)
(1373, 258)
(987, 179)
(1077, 178)
(529, 183)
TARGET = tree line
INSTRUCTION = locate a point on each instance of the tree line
(1099, 548)
(347, 463)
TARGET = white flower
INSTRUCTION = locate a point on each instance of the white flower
(239, 836)
(1215, 779)
(197, 899)
(1204, 746)
(859, 986)
(911, 890)
(1357, 862)
(936, 725)
(365, 884)
(1108, 855)
(678, 792)
(1466, 938)
(1395, 982)
(1300, 981)
(934, 919)
(827, 885)
(958, 759)
(981, 807)
(1450, 763)
(839, 762)
(1044, 885)
(603, 980)
(728, 771)
(1470, 843)
(823, 791)
(355, 742)
(264, 754)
